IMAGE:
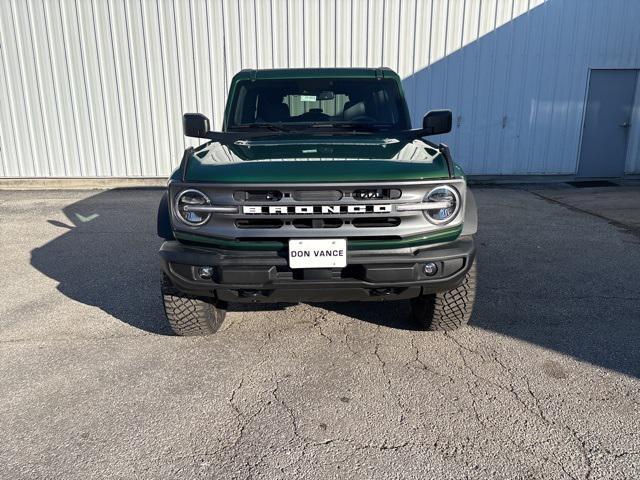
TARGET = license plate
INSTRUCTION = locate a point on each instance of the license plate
(325, 253)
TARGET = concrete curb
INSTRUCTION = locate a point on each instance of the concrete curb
(80, 183)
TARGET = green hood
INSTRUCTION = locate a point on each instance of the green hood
(334, 159)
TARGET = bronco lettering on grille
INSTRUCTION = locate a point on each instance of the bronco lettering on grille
(314, 209)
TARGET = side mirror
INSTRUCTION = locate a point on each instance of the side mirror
(437, 121)
(195, 125)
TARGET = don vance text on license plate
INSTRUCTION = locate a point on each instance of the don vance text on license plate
(325, 253)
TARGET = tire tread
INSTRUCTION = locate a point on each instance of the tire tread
(188, 315)
(447, 310)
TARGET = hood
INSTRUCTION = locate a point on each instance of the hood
(310, 160)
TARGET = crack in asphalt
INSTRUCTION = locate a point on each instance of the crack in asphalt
(306, 442)
(387, 378)
(317, 323)
(536, 411)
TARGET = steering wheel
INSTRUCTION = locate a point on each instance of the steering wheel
(315, 114)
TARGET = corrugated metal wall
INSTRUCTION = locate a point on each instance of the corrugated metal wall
(98, 87)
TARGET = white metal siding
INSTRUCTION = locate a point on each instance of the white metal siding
(98, 87)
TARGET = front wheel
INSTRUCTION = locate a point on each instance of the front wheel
(446, 310)
(189, 315)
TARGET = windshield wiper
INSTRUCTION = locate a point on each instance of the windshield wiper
(274, 127)
(372, 127)
(264, 129)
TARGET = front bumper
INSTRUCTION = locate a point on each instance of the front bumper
(265, 276)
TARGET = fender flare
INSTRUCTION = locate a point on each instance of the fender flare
(164, 220)
(470, 225)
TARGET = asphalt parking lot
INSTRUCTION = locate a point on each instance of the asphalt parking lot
(544, 384)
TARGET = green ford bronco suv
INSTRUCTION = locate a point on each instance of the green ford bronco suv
(317, 189)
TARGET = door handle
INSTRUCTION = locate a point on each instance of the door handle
(625, 125)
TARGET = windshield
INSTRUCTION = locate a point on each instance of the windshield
(363, 103)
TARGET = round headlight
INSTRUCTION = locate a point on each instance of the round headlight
(448, 203)
(186, 206)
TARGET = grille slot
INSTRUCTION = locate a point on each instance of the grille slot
(376, 194)
(245, 223)
(257, 195)
(375, 222)
(317, 195)
(317, 223)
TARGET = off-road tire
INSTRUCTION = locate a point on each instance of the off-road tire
(188, 315)
(446, 310)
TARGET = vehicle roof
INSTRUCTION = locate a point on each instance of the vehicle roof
(291, 73)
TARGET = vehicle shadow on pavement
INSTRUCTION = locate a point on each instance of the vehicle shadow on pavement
(107, 256)
(558, 278)
(391, 314)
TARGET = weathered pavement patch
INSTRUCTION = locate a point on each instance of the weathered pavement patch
(619, 204)
(544, 385)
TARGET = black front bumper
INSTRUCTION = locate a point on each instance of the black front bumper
(243, 276)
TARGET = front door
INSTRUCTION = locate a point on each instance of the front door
(606, 123)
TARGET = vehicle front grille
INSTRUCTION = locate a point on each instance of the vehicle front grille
(348, 210)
